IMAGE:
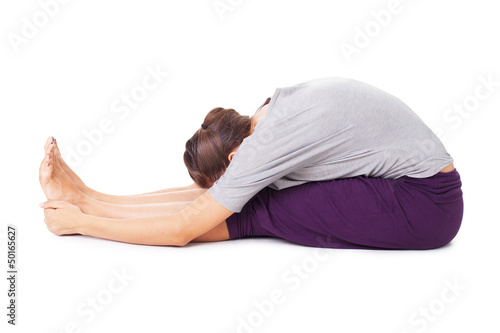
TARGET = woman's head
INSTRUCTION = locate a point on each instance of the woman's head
(207, 152)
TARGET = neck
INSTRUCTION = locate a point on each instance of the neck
(257, 117)
(253, 123)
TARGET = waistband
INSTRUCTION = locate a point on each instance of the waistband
(443, 187)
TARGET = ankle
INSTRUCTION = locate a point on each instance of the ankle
(90, 192)
(83, 201)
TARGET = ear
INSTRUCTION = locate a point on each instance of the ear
(231, 154)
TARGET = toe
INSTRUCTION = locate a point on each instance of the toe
(46, 169)
(50, 150)
(50, 147)
(47, 143)
(56, 149)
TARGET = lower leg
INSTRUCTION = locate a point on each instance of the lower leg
(179, 194)
(167, 197)
(58, 186)
(94, 207)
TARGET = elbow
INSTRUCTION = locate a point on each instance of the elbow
(172, 241)
(179, 238)
(180, 241)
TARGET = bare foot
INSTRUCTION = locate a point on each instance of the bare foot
(55, 182)
(65, 167)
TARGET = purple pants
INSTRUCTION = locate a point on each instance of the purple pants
(359, 212)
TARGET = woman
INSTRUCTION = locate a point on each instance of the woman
(331, 162)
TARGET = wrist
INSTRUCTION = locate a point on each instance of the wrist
(83, 224)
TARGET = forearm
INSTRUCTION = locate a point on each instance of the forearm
(202, 220)
(164, 230)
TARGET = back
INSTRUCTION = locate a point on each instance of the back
(326, 129)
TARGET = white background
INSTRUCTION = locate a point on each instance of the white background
(64, 79)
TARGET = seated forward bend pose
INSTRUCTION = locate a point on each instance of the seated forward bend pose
(331, 162)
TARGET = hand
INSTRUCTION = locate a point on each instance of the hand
(61, 218)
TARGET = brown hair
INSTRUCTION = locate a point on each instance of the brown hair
(206, 155)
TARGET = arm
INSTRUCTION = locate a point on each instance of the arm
(197, 219)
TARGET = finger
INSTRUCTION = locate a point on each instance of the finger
(53, 204)
(47, 224)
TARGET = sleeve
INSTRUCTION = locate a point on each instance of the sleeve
(253, 167)
(293, 134)
(273, 151)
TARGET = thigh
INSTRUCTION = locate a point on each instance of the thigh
(219, 233)
(359, 212)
